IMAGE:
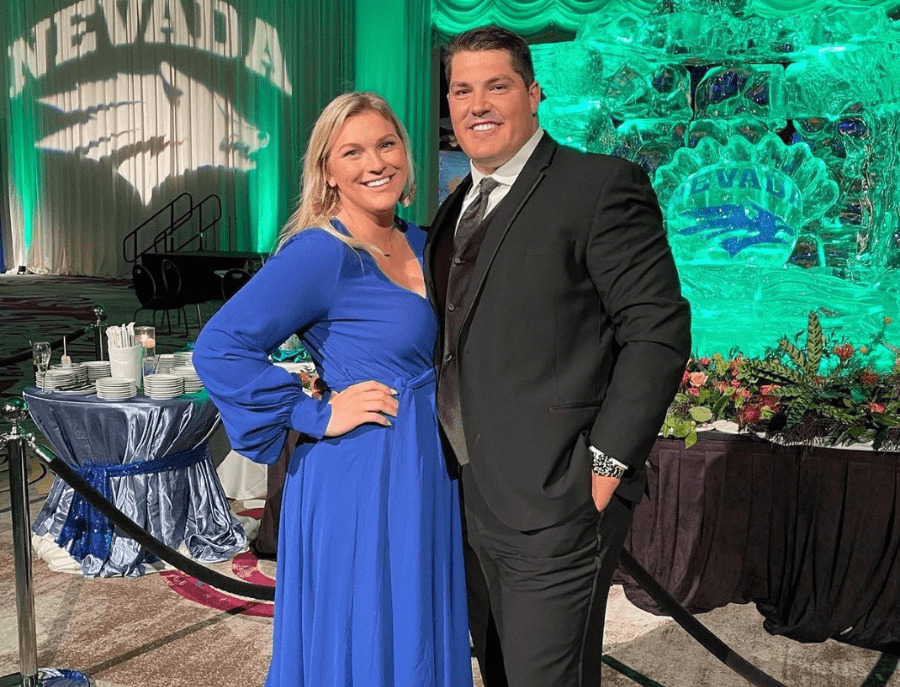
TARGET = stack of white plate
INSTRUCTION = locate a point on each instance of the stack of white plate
(57, 378)
(116, 388)
(184, 357)
(192, 382)
(81, 373)
(162, 386)
(96, 369)
(165, 363)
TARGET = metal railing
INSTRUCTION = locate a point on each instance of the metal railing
(165, 240)
(217, 215)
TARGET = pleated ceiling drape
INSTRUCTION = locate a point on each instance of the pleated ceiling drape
(532, 17)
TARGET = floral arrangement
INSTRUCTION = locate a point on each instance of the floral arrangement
(820, 391)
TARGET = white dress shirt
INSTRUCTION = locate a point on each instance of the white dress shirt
(505, 176)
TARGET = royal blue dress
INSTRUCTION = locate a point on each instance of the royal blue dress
(370, 589)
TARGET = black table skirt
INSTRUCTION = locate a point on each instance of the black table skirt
(810, 535)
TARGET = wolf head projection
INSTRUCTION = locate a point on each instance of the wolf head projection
(154, 118)
(147, 143)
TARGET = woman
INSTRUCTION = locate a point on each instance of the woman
(370, 587)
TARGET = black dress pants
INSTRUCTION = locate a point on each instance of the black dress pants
(537, 599)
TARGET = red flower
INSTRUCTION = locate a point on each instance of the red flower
(875, 407)
(844, 352)
(721, 386)
(705, 361)
(750, 415)
(868, 378)
(768, 389)
(770, 402)
(685, 378)
(694, 391)
(743, 393)
(735, 383)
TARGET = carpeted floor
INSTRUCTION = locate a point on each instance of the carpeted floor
(166, 629)
(127, 632)
(130, 632)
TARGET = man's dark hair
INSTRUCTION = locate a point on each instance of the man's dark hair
(493, 38)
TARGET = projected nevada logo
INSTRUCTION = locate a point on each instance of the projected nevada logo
(151, 130)
(156, 123)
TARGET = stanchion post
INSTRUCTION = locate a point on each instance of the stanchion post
(15, 411)
(21, 524)
(99, 327)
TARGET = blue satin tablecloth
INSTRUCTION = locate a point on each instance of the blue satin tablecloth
(179, 502)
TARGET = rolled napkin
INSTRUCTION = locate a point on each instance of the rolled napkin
(126, 355)
(121, 336)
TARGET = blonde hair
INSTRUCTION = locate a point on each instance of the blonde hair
(318, 200)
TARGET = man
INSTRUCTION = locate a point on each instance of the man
(564, 336)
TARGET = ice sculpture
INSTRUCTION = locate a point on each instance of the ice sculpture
(740, 202)
(650, 142)
(757, 91)
(772, 143)
(581, 123)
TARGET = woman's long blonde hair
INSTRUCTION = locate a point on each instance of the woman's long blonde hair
(318, 200)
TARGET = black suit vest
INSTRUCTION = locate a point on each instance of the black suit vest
(453, 268)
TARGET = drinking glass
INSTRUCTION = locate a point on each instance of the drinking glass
(40, 356)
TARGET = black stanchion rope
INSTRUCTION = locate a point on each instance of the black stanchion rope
(17, 358)
(148, 541)
(629, 564)
(670, 606)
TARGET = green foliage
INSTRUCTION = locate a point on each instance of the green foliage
(700, 414)
(812, 390)
(774, 369)
(814, 343)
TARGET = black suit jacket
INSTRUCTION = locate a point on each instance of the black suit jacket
(575, 333)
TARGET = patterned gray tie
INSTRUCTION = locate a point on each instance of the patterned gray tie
(474, 214)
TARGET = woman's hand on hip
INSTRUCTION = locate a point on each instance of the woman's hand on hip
(359, 404)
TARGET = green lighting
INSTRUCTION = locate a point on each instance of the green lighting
(26, 174)
(530, 17)
(392, 57)
(265, 200)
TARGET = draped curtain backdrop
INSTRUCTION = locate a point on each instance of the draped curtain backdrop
(394, 57)
(115, 108)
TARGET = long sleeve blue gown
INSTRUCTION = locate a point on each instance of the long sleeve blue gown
(370, 589)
